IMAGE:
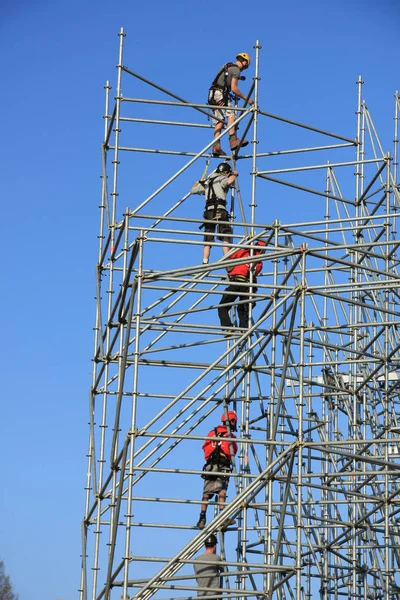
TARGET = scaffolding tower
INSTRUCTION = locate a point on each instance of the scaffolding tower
(315, 379)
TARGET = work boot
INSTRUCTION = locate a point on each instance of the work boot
(235, 144)
(229, 333)
(201, 523)
(217, 150)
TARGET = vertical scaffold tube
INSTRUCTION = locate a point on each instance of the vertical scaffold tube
(255, 137)
(130, 474)
(104, 216)
(386, 395)
(117, 131)
(354, 319)
(396, 136)
(300, 435)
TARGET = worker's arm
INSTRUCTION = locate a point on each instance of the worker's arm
(222, 569)
(197, 188)
(257, 268)
(235, 90)
(232, 177)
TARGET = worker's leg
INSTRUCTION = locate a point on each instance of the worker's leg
(222, 499)
(225, 247)
(218, 129)
(243, 311)
(233, 140)
(222, 504)
(224, 229)
(205, 500)
(209, 229)
(230, 127)
(201, 523)
(228, 300)
(218, 123)
(206, 254)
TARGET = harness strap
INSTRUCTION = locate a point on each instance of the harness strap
(223, 88)
(218, 456)
(212, 200)
(217, 207)
(215, 82)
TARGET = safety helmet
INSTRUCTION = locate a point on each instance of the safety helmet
(244, 56)
(250, 240)
(210, 541)
(262, 247)
(232, 416)
(224, 168)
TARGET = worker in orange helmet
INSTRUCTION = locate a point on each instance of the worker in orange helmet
(219, 454)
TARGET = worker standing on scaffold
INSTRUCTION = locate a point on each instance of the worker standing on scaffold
(215, 189)
(207, 568)
(239, 287)
(219, 456)
(223, 91)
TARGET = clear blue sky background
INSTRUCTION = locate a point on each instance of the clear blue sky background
(55, 58)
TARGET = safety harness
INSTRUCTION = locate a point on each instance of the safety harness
(226, 92)
(240, 278)
(213, 202)
(218, 456)
(217, 460)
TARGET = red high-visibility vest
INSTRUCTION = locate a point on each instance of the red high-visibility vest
(220, 446)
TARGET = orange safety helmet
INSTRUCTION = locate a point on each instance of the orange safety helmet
(232, 416)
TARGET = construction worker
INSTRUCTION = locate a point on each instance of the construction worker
(218, 455)
(207, 568)
(223, 91)
(215, 189)
(239, 275)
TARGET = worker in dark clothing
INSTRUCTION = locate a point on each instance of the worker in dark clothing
(215, 189)
(219, 456)
(238, 276)
(207, 568)
(224, 89)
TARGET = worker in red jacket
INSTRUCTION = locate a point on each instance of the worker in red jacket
(219, 456)
(239, 276)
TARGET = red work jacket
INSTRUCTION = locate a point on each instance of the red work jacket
(244, 269)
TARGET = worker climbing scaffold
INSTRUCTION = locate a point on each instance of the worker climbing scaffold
(241, 286)
(219, 454)
(215, 189)
(223, 93)
(208, 567)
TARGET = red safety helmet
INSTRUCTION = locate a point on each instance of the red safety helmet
(262, 247)
(232, 416)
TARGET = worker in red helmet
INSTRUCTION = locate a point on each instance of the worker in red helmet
(219, 454)
(239, 278)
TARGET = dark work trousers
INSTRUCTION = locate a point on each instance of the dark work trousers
(229, 299)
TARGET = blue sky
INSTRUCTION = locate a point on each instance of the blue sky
(55, 58)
